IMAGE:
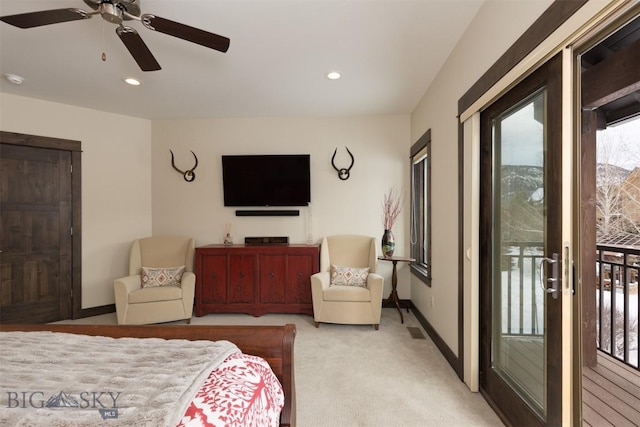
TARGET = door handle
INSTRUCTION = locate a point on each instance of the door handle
(553, 280)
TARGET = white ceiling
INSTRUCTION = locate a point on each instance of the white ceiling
(388, 52)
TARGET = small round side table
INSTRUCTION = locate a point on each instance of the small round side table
(393, 297)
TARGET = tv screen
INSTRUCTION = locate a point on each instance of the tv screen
(266, 180)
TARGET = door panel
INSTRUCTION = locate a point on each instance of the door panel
(299, 268)
(214, 272)
(272, 278)
(241, 280)
(518, 209)
(35, 234)
(520, 233)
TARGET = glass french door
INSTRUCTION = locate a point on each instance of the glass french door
(521, 212)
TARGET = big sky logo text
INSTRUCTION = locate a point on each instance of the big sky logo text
(82, 400)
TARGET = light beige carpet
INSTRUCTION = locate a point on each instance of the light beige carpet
(354, 376)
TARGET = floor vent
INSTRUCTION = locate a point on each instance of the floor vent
(416, 333)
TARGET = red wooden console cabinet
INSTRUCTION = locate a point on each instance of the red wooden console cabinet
(255, 279)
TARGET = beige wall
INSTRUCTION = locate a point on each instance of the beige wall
(353, 206)
(116, 181)
(117, 175)
(496, 26)
(123, 171)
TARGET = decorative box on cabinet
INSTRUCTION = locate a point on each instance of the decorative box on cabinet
(255, 279)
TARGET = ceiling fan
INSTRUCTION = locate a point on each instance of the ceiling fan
(116, 12)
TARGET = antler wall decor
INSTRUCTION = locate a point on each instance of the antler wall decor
(343, 173)
(188, 175)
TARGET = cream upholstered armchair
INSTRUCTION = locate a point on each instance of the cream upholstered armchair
(342, 291)
(167, 293)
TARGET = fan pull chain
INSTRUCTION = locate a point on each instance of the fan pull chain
(104, 54)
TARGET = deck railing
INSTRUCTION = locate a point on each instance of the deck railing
(522, 296)
(617, 297)
(617, 273)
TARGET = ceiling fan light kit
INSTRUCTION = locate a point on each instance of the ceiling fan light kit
(132, 81)
(115, 12)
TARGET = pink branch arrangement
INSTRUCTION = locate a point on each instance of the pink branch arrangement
(391, 207)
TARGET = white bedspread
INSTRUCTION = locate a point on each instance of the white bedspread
(57, 379)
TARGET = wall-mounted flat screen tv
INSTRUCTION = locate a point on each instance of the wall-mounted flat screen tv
(266, 180)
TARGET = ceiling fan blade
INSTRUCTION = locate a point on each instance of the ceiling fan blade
(45, 17)
(138, 49)
(185, 32)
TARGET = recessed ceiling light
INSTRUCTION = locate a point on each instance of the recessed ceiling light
(333, 75)
(131, 81)
(15, 79)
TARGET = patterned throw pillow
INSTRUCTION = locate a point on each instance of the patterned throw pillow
(152, 277)
(348, 276)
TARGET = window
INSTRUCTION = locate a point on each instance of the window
(421, 208)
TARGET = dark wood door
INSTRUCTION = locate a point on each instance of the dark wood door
(35, 234)
(521, 250)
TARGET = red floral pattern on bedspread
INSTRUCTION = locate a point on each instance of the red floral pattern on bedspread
(242, 391)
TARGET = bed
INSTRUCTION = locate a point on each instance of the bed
(274, 344)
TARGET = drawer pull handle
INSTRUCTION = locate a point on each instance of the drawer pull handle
(242, 274)
(271, 275)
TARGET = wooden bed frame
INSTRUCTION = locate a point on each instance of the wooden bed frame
(273, 343)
